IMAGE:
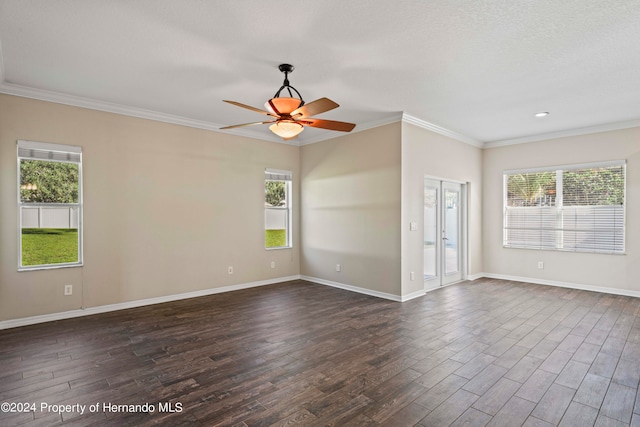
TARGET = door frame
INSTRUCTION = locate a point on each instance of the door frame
(464, 233)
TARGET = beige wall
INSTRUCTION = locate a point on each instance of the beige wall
(425, 153)
(351, 209)
(166, 209)
(607, 271)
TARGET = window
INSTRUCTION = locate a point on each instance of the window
(49, 205)
(578, 208)
(277, 209)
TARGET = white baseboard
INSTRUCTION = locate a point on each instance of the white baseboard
(392, 297)
(414, 295)
(14, 323)
(25, 321)
(475, 276)
(579, 286)
(353, 288)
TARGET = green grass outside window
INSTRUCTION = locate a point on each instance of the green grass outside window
(275, 238)
(41, 246)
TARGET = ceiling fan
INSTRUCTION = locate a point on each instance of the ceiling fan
(290, 115)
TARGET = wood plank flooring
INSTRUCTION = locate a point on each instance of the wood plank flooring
(487, 352)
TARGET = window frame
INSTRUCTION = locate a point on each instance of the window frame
(559, 209)
(286, 176)
(55, 152)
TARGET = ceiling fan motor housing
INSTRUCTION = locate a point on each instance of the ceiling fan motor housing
(286, 68)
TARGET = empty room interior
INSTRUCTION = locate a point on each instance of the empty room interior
(362, 213)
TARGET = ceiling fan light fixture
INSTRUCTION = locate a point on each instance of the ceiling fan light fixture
(286, 129)
(291, 114)
(282, 105)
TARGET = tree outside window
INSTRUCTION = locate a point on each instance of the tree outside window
(49, 205)
(277, 188)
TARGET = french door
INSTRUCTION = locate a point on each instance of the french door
(443, 233)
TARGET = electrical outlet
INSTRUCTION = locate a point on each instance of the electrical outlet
(230, 270)
(273, 264)
(68, 289)
(540, 265)
(338, 267)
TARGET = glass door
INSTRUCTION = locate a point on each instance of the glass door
(431, 234)
(442, 250)
(451, 228)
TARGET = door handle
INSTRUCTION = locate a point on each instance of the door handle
(445, 238)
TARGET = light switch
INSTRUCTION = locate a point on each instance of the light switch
(413, 226)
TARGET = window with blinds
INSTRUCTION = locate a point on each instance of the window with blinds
(579, 208)
(277, 208)
(49, 205)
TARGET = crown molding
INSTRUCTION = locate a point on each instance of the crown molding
(393, 118)
(76, 101)
(407, 118)
(565, 133)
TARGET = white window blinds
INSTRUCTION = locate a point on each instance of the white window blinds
(277, 175)
(50, 152)
(578, 208)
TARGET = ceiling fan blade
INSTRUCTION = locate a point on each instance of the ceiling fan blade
(315, 107)
(329, 124)
(249, 107)
(248, 124)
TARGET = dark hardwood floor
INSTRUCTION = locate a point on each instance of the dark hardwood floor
(488, 352)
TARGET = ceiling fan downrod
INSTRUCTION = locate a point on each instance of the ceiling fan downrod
(286, 69)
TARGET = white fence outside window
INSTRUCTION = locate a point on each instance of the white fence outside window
(49, 216)
(570, 228)
(275, 219)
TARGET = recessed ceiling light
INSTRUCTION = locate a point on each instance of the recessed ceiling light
(542, 114)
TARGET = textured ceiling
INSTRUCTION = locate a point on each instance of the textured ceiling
(477, 69)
